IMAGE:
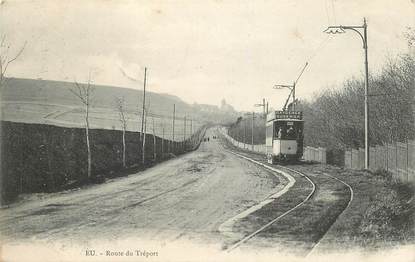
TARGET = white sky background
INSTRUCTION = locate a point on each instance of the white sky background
(203, 51)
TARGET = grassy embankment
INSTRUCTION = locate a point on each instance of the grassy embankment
(382, 213)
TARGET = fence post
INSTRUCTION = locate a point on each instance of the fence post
(323, 155)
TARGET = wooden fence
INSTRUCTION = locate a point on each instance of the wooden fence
(255, 148)
(315, 154)
(397, 158)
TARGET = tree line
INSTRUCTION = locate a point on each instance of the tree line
(335, 117)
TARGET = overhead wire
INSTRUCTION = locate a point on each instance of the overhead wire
(327, 12)
(322, 43)
(325, 41)
(333, 9)
(320, 46)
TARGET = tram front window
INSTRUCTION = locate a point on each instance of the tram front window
(279, 132)
(285, 130)
(291, 134)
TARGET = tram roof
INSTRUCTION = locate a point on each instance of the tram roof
(285, 120)
(285, 116)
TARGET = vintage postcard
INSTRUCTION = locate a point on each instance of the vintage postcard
(207, 130)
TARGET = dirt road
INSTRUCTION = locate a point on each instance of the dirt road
(187, 197)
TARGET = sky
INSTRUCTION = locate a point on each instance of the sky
(204, 51)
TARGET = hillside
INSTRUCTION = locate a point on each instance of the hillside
(51, 102)
(57, 92)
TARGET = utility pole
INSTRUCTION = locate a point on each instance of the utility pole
(264, 107)
(252, 134)
(143, 136)
(244, 132)
(238, 134)
(267, 108)
(154, 142)
(366, 96)
(174, 119)
(291, 88)
(339, 30)
(184, 134)
(261, 105)
(162, 141)
(252, 128)
(191, 131)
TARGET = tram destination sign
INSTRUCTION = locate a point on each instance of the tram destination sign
(285, 115)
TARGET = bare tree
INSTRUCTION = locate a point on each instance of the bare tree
(120, 104)
(84, 92)
(6, 59)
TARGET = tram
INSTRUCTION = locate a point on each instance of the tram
(284, 136)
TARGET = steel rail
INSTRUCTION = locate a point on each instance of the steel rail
(243, 240)
(347, 206)
(289, 211)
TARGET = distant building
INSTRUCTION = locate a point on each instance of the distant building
(225, 107)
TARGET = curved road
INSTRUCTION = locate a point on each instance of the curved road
(188, 197)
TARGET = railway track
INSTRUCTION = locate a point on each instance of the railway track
(258, 159)
(264, 227)
(316, 245)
